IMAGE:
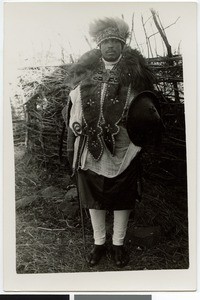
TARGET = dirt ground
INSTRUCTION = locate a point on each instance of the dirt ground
(49, 237)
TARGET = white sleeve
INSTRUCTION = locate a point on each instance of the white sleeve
(76, 111)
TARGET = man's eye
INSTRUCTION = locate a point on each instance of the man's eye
(115, 42)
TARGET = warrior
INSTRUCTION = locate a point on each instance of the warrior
(105, 159)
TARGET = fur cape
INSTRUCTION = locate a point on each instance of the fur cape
(134, 69)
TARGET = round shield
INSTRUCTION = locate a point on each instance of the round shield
(144, 124)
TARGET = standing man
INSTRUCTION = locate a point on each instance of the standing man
(105, 160)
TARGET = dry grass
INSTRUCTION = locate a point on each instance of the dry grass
(49, 242)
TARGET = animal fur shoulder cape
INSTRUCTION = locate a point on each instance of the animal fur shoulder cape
(134, 69)
(131, 71)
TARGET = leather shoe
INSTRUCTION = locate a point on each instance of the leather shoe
(120, 256)
(96, 254)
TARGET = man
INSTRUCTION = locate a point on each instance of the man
(106, 162)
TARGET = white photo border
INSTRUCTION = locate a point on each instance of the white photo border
(156, 280)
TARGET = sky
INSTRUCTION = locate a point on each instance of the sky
(34, 32)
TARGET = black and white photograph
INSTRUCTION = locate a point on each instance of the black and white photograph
(97, 103)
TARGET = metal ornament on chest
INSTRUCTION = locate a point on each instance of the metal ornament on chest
(107, 76)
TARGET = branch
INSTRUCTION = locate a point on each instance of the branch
(162, 33)
(132, 28)
(154, 41)
(165, 27)
(49, 229)
(133, 31)
(87, 41)
(147, 20)
(70, 55)
(147, 40)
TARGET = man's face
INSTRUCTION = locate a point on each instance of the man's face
(111, 49)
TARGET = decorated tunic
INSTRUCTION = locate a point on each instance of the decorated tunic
(108, 150)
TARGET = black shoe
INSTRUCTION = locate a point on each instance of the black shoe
(120, 256)
(96, 254)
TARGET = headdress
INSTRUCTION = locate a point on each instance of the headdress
(109, 28)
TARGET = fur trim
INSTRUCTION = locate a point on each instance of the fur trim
(134, 69)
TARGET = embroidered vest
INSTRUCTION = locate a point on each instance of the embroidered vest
(102, 113)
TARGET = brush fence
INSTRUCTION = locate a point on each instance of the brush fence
(38, 122)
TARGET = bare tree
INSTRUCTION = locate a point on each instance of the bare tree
(161, 30)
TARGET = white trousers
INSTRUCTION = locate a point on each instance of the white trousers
(98, 220)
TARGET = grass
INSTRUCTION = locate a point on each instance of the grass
(49, 241)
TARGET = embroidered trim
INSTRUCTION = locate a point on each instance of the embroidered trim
(92, 131)
(110, 33)
(77, 128)
(107, 76)
(102, 113)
